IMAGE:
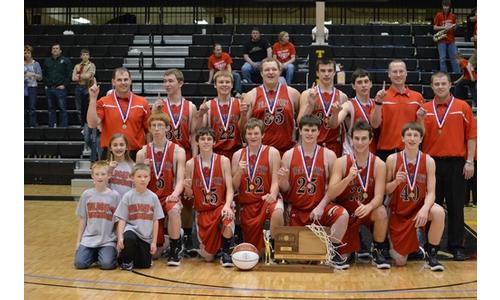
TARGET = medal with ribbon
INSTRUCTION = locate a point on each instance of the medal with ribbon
(271, 105)
(363, 181)
(309, 171)
(175, 121)
(411, 178)
(441, 121)
(123, 115)
(207, 182)
(224, 119)
(158, 166)
(326, 106)
(362, 108)
(251, 169)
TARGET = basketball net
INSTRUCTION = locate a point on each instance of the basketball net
(331, 249)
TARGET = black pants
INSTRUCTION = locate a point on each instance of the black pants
(135, 250)
(450, 185)
(383, 154)
(471, 186)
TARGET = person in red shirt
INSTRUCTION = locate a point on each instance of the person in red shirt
(275, 104)
(411, 182)
(358, 108)
(255, 177)
(394, 108)
(284, 52)
(303, 180)
(468, 78)
(450, 135)
(119, 112)
(220, 61)
(324, 101)
(167, 162)
(222, 114)
(358, 184)
(208, 180)
(184, 120)
(446, 20)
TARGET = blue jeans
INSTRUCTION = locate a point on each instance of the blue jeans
(237, 82)
(451, 50)
(92, 137)
(247, 70)
(59, 97)
(82, 103)
(289, 69)
(105, 256)
(30, 107)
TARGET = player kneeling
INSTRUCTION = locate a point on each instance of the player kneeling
(358, 184)
(208, 180)
(411, 183)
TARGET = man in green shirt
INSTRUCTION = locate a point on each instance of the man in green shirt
(57, 71)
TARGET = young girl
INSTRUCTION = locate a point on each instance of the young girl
(120, 164)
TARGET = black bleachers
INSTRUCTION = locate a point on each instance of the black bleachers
(427, 52)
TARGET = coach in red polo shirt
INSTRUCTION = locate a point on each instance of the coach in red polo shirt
(450, 135)
(394, 108)
(119, 112)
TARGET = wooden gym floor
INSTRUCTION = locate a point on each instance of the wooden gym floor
(49, 245)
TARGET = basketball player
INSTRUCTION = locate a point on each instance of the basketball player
(303, 180)
(358, 184)
(324, 101)
(274, 103)
(184, 119)
(119, 112)
(167, 165)
(255, 177)
(208, 181)
(222, 114)
(358, 108)
(411, 183)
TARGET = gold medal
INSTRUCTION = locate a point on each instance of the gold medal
(365, 196)
(124, 126)
(251, 187)
(310, 185)
(412, 195)
(271, 117)
(440, 131)
(207, 197)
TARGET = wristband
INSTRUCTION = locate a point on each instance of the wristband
(470, 162)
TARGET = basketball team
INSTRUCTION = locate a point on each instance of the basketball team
(386, 163)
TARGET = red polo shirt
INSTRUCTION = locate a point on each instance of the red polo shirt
(397, 110)
(440, 19)
(111, 120)
(458, 127)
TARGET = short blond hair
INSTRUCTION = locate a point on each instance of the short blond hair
(223, 73)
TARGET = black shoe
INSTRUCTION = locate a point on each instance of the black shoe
(127, 266)
(459, 255)
(417, 255)
(363, 257)
(432, 261)
(226, 260)
(379, 259)
(174, 259)
(188, 249)
(338, 262)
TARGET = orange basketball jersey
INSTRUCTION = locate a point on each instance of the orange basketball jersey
(252, 189)
(178, 129)
(211, 179)
(223, 119)
(162, 166)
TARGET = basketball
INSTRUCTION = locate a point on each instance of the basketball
(245, 256)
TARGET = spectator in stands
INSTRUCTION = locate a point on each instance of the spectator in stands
(256, 50)
(446, 20)
(32, 74)
(220, 61)
(473, 58)
(468, 78)
(57, 74)
(284, 52)
(394, 108)
(450, 138)
(83, 73)
(119, 112)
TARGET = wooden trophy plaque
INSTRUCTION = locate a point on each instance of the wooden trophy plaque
(298, 243)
